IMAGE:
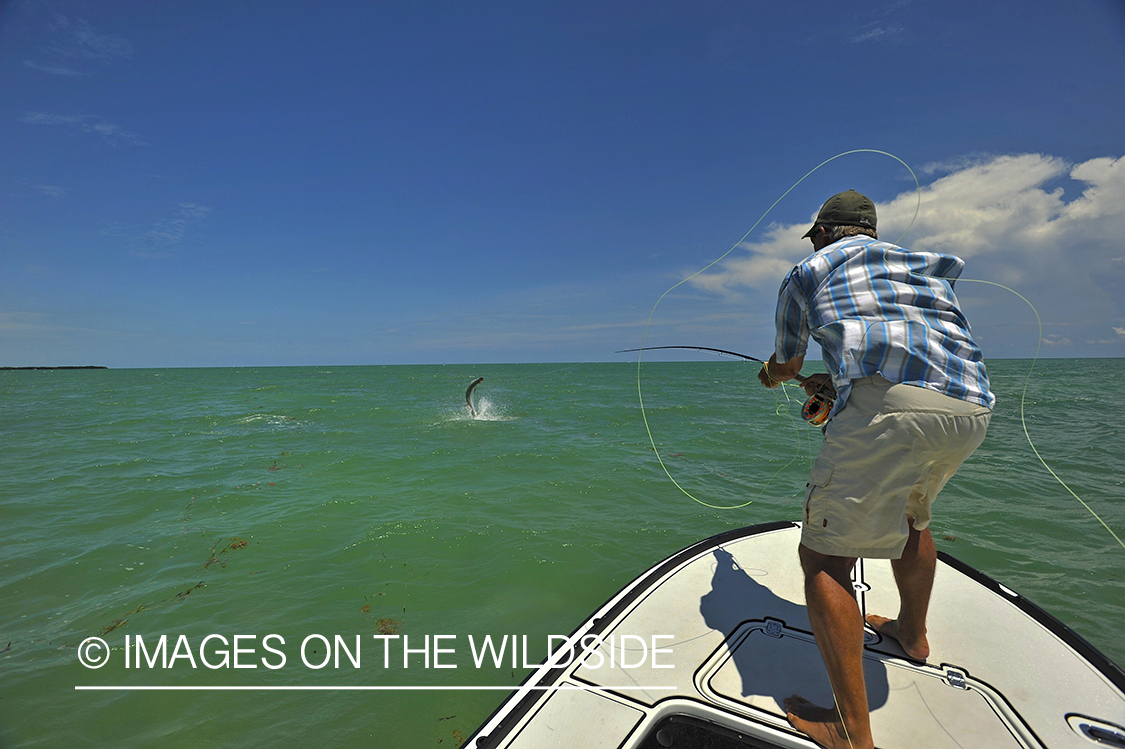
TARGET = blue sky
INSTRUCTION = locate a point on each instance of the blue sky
(281, 183)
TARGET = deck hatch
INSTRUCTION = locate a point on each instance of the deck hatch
(756, 670)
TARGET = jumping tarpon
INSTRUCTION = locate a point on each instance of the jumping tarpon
(469, 395)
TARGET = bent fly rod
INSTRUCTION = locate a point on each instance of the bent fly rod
(816, 408)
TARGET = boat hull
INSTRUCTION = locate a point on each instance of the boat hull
(707, 645)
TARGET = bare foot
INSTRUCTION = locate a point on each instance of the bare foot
(823, 725)
(917, 647)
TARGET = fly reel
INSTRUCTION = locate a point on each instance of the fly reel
(816, 409)
(819, 405)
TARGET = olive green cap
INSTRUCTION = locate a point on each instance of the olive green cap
(845, 209)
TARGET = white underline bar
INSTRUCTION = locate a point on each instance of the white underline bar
(357, 689)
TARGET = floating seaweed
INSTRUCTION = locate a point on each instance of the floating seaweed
(387, 626)
(112, 626)
(186, 593)
(235, 543)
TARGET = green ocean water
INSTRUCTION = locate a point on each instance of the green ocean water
(359, 501)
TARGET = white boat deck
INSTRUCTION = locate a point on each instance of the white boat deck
(734, 641)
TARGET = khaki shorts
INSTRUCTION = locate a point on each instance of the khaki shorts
(886, 455)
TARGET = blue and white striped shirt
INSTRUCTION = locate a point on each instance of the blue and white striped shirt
(876, 308)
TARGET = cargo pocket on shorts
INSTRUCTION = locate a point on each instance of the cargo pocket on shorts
(819, 477)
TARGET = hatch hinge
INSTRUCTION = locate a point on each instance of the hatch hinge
(1097, 731)
(955, 678)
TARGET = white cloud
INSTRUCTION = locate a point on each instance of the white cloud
(1003, 203)
(875, 32)
(76, 43)
(53, 191)
(1045, 227)
(765, 266)
(16, 320)
(108, 131)
(53, 69)
(77, 39)
(884, 28)
(42, 118)
(1102, 198)
(981, 209)
(170, 231)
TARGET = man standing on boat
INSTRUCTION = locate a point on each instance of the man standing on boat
(912, 403)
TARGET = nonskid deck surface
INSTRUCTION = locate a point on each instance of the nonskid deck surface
(719, 635)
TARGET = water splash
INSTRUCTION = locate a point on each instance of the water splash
(489, 411)
(486, 410)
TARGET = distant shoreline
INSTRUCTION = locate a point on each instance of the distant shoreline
(8, 369)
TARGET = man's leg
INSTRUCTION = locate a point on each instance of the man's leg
(914, 576)
(838, 628)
